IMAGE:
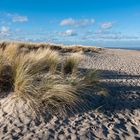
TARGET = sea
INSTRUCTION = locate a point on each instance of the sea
(126, 48)
(129, 45)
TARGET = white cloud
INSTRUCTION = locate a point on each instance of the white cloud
(108, 35)
(68, 21)
(102, 32)
(69, 32)
(78, 23)
(4, 30)
(17, 17)
(106, 25)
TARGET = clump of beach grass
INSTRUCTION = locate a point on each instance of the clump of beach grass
(71, 63)
(36, 79)
(11, 51)
(57, 95)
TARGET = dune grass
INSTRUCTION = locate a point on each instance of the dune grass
(29, 46)
(44, 81)
(71, 63)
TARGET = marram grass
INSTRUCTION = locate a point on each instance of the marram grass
(34, 77)
(71, 63)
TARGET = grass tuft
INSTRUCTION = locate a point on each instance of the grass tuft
(36, 78)
(71, 63)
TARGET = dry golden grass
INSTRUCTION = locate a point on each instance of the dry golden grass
(57, 95)
(34, 77)
(27, 47)
(76, 48)
(71, 63)
(11, 51)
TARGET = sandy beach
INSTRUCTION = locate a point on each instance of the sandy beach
(116, 118)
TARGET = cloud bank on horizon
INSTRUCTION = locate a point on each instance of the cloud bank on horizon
(72, 21)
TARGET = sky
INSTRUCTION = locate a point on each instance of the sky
(106, 23)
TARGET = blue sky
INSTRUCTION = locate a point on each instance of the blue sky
(87, 22)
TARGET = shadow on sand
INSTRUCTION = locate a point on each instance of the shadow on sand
(122, 94)
(123, 91)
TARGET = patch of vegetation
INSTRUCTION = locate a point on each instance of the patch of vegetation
(45, 82)
(27, 47)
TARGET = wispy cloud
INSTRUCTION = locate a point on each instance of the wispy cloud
(4, 29)
(110, 37)
(69, 32)
(107, 25)
(8, 19)
(103, 34)
(17, 17)
(7, 27)
(20, 19)
(77, 22)
(4, 32)
(68, 21)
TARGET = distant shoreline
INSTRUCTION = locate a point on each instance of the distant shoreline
(136, 49)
